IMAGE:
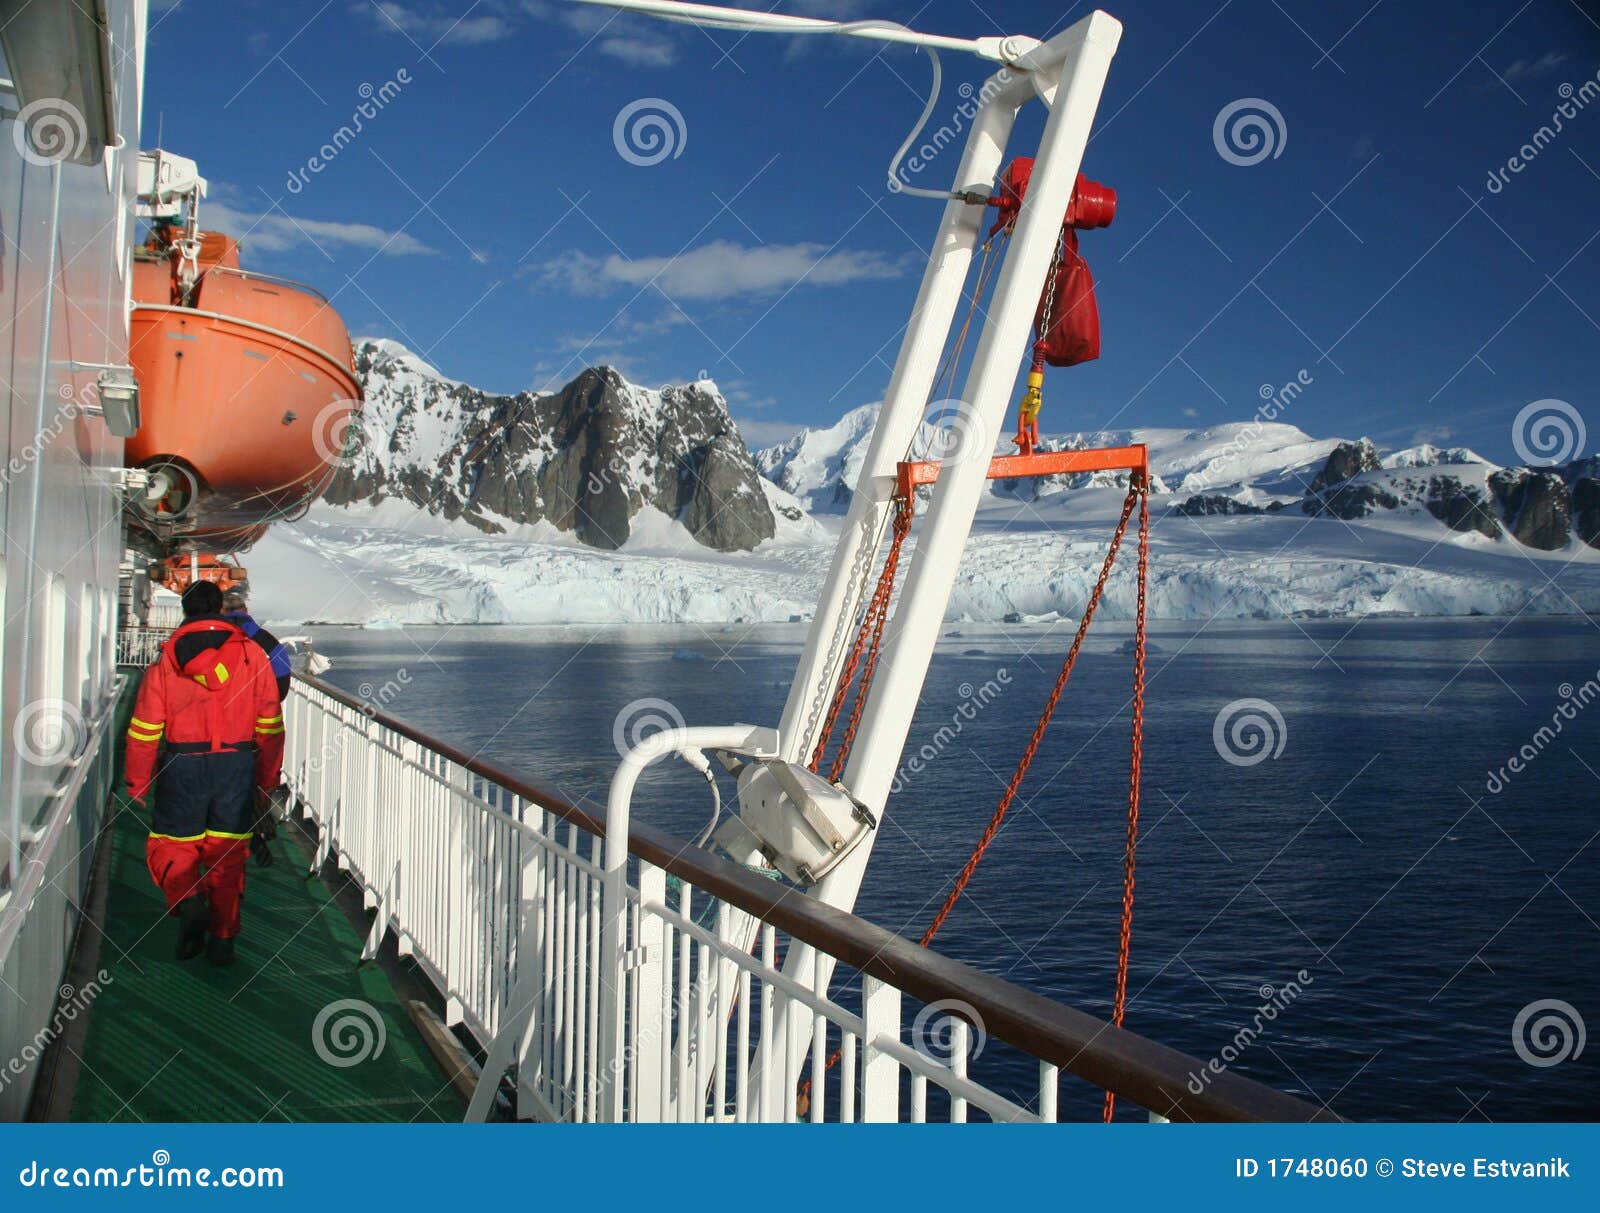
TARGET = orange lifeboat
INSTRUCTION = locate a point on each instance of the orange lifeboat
(178, 573)
(248, 394)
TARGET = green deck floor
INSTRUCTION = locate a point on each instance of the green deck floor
(174, 1040)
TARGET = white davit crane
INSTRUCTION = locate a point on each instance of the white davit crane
(1012, 50)
(1006, 49)
(818, 833)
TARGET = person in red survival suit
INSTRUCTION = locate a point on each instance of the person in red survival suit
(211, 698)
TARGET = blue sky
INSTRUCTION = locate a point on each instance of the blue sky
(485, 218)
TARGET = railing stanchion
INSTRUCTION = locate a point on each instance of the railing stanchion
(958, 1065)
(1048, 1074)
(653, 1033)
(880, 1073)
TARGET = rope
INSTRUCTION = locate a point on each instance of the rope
(1138, 491)
(869, 640)
(1026, 760)
(1135, 757)
(987, 265)
(947, 371)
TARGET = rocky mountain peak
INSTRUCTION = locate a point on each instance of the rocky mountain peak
(586, 459)
(1346, 460)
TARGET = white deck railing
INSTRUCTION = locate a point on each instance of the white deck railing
(140, 646)
(494, 886)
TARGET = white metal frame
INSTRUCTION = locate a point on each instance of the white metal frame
(1067, 74)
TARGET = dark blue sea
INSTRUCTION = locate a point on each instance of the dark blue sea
(1383, 856)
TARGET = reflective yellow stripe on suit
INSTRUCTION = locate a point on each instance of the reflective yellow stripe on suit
(143, 730)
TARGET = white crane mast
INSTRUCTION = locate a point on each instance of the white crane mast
(1067, 73)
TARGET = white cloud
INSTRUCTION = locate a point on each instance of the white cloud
(1432, 435)
(1528, 69)
(636, 41)
(766, 433)
(639, 52)
(724, 269)
(435, 25)
(275, 231)
(739, 392)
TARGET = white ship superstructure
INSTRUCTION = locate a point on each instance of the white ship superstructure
(70, 91)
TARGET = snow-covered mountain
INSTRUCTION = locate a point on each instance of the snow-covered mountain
(575, 507)
(1253, 468)
(820, 466)
(586, 459)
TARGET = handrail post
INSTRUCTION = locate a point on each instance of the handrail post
(880, 1073)
(653, 1032)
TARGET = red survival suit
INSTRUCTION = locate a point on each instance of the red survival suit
(212, 698)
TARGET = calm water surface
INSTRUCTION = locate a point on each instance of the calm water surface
(1425, 910)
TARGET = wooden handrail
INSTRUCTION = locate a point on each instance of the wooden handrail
(1150, 1074)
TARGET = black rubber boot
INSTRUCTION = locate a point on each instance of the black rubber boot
(193, 915)
(220, 952)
